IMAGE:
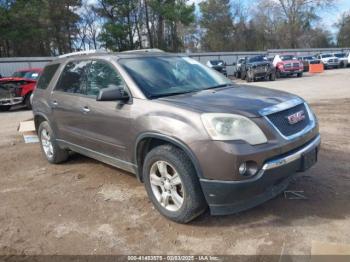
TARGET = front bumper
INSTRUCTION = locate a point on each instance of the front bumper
(291, 71)
(11, 101)
(331, 64)
(228, 197)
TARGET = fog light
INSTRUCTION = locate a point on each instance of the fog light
(248, 168)
(242, 168)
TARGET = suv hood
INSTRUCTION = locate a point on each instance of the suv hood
(16, 79)
(329, 58)
(242, 100)
(260, 63)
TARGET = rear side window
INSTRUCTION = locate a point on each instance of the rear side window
(46, 76)
(73, 78)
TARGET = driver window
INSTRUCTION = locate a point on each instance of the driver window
(102, 75)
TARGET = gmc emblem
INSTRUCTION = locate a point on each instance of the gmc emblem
(296, 117)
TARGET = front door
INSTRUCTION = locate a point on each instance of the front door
(105, 124)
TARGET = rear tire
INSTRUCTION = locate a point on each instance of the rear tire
(160, 165)
(28, 102)
(243, 75)
(49, 146)
(5, 108)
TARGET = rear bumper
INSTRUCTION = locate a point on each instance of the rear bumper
(11, 101)
(228, 197)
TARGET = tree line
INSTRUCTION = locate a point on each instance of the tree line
(51, 27)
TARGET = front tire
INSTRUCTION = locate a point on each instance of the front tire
(250, 76)
(172, 184)
(278, 74)
(5, 108)
(49, 146)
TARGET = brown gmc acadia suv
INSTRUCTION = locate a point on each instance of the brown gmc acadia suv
(194, 138)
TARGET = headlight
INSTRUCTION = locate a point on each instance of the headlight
(232, 127)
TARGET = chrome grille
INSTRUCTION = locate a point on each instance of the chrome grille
(280, 120)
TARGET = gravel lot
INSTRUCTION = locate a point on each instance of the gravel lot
(86, 207)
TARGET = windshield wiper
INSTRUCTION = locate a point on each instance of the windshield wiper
(173, 94)
(218, 86)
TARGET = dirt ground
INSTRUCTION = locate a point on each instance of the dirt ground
(86, 207)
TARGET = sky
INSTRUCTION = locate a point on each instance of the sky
(330, 17)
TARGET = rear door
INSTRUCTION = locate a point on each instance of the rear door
(65, 101)
(105, 125)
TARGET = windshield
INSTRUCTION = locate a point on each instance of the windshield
(217, 62)
(165, 75)
(26, 74)
(257, 59)
(309, 58)
(288, 57)
(339, 55)
(19, 74)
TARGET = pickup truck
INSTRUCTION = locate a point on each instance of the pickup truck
(307, 60)
(329, 60)
(288, 65)
(257, 67)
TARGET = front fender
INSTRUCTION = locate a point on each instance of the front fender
(172, 140)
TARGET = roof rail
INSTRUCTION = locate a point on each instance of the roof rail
(81, 53)
(149, 50)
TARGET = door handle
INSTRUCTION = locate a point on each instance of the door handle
(86, 109)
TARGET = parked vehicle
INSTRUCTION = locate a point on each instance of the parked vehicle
(257, 67)
(307, 60)
(18, 89)
(238, 67)
(218, 65)
(32, 73)
(343, 59)
(193, 137)
(288, 65)
(329, 61)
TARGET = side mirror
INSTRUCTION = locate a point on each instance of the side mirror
(112, 93)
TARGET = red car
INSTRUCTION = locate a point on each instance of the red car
(18, 89)
(288, 65)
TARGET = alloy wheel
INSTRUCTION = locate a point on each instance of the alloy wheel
(46, 143)
(166, 185)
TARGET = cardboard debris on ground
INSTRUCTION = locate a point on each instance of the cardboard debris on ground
(27, 128)
(294, 195)
(335, 252)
